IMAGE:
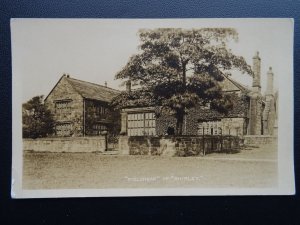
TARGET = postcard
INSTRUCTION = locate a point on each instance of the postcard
(152, 107)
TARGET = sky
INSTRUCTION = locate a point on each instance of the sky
(95, 50)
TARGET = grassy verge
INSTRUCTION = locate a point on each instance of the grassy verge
(93, 170)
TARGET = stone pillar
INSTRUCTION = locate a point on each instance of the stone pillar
(124, 145)
(167, 147)
(256, 76)
(270, 76)
(265, 125)
(269, 112)
(123, 123)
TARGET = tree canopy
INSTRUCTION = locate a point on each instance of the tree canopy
(37, 119)
(177, 69)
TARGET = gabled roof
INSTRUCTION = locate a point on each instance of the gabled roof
(92, 90)
(240, 86)
(89, 90)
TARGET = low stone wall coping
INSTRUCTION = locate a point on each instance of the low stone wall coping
(259, 136)
(259, 139)
(64, 138)
(65, 144)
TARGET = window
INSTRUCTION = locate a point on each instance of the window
(63, 129)
(210, 128)
(140, 124)
(101, 111)
(98, 128)
(150, 124)
(63, 105)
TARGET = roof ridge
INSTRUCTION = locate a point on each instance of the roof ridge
(71, 78)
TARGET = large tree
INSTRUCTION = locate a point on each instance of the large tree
(37, 119)
(177, 69)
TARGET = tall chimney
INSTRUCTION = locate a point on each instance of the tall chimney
(128, 86)
(270, 77)
(256, 70)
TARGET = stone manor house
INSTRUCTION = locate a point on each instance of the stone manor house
(81, 108)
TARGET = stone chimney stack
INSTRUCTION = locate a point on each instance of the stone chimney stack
(270, 77)
(256, 70)
(128, 86)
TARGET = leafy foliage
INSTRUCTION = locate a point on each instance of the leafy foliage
(178, 69)
(37, 119)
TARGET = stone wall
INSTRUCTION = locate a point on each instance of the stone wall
(78, 144)
(74, 113)
(269, 116)
(178, 146)
(140, 145)
(193, 146)
(259, 139)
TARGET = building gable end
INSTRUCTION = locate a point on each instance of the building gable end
(62, 81)
(228, 85)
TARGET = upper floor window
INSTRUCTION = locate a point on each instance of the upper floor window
(63, 104)
(100, 110)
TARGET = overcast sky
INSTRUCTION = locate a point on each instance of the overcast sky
(95, 50)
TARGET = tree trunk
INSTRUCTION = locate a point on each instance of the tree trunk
(179, 124)
(180, 114)
(184, 74)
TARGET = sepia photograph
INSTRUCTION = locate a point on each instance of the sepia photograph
(152, 107)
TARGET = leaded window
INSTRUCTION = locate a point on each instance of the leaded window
(209, 128)
(63, 129)
(140, 124)
(63, 105)
(98, 129)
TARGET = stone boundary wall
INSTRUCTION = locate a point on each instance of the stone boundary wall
(201, 145)
(178, 146)
(139, 145)
(67, 144)
(259, 139)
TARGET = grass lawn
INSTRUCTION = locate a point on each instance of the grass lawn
(250, 168)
